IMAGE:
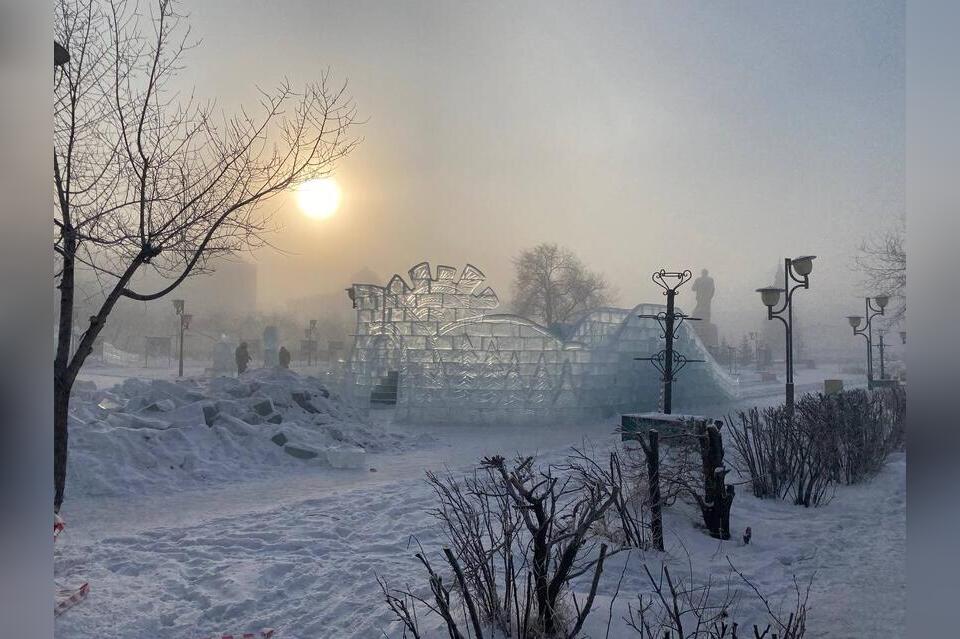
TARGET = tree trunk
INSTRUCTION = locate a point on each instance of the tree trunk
(66, 368)
(541, 560)
(653, 484)
(61, 385)
(61, 411)
(717, 496)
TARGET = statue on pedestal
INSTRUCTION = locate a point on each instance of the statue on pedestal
(704, 289)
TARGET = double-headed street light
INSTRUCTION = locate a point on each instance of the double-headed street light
(796, 274)
(872, 307)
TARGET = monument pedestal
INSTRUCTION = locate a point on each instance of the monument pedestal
(708, 334)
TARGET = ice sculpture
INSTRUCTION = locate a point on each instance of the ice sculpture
(438, 349)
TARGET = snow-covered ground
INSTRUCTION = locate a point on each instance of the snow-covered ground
(297, 544)
(146, 435)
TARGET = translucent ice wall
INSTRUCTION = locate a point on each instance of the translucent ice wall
(456, 360)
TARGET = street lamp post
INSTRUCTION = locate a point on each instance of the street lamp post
(796, 274)
(311, 341)
(883, 374)
(178, 307)
(872, 307)
(732, 354)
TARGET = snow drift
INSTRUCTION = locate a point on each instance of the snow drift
(145, 435)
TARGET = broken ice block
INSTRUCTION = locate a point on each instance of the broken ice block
(346, 456)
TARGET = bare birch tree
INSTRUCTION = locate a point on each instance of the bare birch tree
(148, 178)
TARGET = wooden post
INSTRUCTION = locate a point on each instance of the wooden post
(653, 478)
(717, 496)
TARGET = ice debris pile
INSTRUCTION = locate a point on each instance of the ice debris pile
(146, 435)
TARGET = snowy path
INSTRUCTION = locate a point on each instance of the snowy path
(301, 552)
(309, 568)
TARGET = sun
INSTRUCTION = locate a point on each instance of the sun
(319, 198)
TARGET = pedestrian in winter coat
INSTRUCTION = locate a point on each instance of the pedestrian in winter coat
(284, 357)
(243, 358)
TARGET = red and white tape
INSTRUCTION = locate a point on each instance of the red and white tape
(67, 598)
(58, 526)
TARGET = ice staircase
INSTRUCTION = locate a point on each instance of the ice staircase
(385, 392)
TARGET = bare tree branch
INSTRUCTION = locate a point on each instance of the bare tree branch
(148, 180)
(882, 260)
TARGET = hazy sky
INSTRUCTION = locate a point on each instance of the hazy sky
(640, 134)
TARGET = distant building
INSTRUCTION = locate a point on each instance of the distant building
(312, 306)
(230, 289)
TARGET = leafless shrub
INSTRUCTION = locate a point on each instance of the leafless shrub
(894, 412)
(519, 534)
(680, 609)
(480, 523)
(403, 607)
(795, 625)
(786, 458)
(843, 438)
(761, 442)
(626, 522)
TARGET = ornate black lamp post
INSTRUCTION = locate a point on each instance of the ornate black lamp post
(872, 307)
(796, 274)
(178, 307)
(668, 361)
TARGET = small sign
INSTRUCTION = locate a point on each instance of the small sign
(637, 425)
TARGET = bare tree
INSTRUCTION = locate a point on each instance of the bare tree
(151, 179)
(553, 286)
(883, 261)
(519, 534)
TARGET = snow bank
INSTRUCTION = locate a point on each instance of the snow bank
(145, 435)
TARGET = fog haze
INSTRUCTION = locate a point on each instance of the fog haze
(640, 135)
